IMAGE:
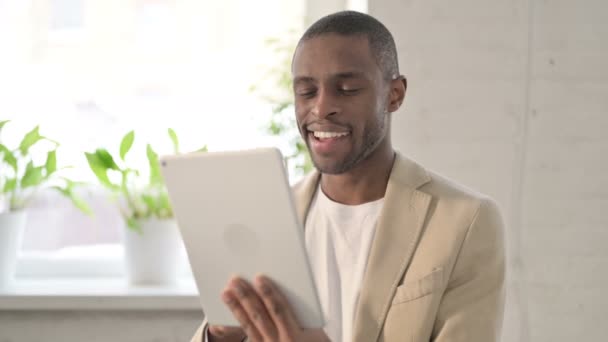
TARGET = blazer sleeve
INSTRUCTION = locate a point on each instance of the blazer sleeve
(201, 333)
(472, 307)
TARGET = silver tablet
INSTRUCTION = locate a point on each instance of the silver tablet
(236, 215)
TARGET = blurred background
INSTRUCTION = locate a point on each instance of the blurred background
(507, 97)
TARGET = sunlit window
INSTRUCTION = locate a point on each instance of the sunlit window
(89, 71)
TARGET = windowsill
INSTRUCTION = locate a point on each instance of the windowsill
(97, 294)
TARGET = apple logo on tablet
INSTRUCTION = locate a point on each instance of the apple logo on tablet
(240, 239)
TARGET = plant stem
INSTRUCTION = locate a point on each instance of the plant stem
(127, 194)
(12, 205)
(28, 198)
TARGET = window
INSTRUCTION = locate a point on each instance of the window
(65, 20)
(66, 15)
(142, 64)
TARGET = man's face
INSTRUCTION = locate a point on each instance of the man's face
(340, 100)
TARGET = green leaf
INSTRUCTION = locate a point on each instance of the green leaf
(2, 123)
(280, 107)
(150, 202)
(165, 205)
(100, 170)
(78, 202)
(126, 143)
(275, 128)
(126, 193)
(155, 177)
(57, 144)
(203, 149)
(10, 185)
(51, 162)
(8, 157)
(133, 224)
(124, 180)
(106, 158)
(301, 147)
(30, 139)
(63, 191)
(164, 200)
(131, 170)
(17, 203)
(33, 176)
(173, 137)
(81, 204)
(271, 41)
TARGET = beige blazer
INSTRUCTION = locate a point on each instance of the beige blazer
(436, 269)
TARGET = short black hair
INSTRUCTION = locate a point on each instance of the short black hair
(351, 23)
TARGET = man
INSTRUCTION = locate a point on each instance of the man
(398, 252)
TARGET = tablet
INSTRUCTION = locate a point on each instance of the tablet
(236, 214)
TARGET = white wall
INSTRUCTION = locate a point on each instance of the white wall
(511, 98)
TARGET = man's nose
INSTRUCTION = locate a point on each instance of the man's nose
(325, 105)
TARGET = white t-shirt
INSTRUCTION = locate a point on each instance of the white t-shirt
(338, 240)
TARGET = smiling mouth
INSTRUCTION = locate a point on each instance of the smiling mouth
(328, 135)
(325, 143)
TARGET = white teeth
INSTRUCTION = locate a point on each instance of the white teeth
(328, 135)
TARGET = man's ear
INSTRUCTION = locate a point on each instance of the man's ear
(397, 93)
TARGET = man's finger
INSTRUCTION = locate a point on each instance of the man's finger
(224, 331)
(254, 308)
(278, 307)
(239, 313)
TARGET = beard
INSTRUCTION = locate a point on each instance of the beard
(373, 134)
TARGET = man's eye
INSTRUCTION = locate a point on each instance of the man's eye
(306, 93)
(349, 91)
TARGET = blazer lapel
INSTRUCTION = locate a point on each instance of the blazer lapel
(303, 194)
(399, 227)
(397, 232)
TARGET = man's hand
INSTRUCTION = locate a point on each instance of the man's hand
(264, 313)
(217, 333)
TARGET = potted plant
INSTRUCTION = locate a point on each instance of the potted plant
(152, 244)
(20, 179)
(275, 88)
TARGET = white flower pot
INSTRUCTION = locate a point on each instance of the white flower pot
(156, 255)
(12, 225)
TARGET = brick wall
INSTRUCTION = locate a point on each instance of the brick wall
(511, 98)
